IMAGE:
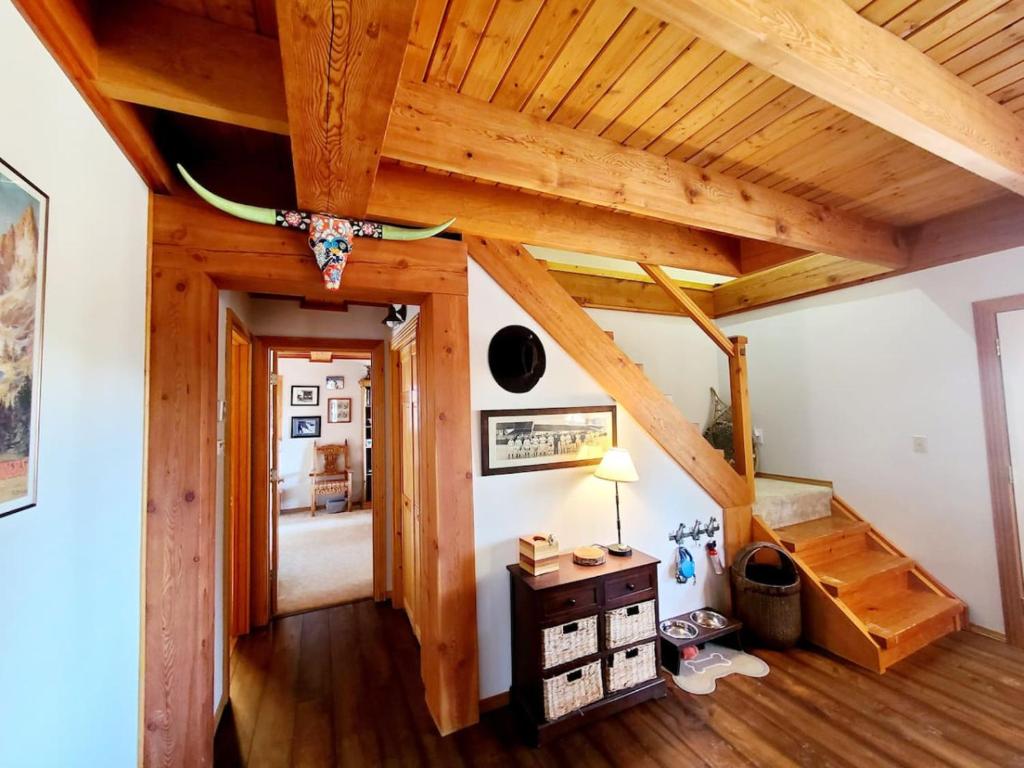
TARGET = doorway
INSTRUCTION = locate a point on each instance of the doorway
(323, 480)
(999, 325)
(319, 529)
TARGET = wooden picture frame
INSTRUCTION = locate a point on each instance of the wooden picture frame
(305, 427)
(339, 410)
(534, 439)
(24, 219)
(299, 393)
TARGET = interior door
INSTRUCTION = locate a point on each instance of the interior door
(409, 474)
(239, 389)
(1010, 326)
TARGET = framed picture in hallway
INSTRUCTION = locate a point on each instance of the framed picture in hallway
(335, 382)
(305, 426)
(305, 395)
(23, 223)
(339, 410)
(531, 439)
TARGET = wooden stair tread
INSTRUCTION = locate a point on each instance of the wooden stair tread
(848, 573)
(814, 532)
(890, 615)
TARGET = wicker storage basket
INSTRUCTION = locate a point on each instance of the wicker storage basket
(568, 641)
(630, 667)
(630, 624)
(573, 690)
(766, 598)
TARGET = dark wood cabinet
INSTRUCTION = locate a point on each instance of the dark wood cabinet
(553, 646)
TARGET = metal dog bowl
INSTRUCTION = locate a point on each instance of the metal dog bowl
(709, 619)
(679, 629)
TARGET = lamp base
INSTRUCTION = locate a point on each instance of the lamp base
(620, 550)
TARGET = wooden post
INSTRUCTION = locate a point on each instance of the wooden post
(449, 659)
(180, 512)
(738, 518)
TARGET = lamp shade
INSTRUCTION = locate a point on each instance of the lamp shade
(617, 465)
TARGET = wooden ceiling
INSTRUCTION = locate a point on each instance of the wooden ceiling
(814, 182)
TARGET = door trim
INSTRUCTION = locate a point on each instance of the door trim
(997, 444)
(264, 544)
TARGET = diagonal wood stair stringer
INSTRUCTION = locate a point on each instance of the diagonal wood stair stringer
(547, 302)
(863, 598)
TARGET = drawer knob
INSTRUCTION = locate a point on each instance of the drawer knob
(571, 602)
(630, 586)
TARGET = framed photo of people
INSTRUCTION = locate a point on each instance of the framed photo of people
(531, 439)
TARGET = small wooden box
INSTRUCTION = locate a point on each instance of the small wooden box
(538, 553)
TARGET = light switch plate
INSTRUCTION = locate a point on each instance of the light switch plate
(920, 443)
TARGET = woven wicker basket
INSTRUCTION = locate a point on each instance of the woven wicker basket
(630, 624)
(568, 641)
(573, 690)
(630, 667)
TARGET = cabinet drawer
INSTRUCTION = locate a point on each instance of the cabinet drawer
(582, 598)
(629, 587)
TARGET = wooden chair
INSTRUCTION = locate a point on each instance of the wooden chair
(330, 475)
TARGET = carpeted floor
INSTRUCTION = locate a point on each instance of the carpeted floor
(323, 560)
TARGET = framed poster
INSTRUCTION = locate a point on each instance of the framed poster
(339, 410)
(335, 382)
(303, 395)
(23, 223)
(531, 439)
(305, 426)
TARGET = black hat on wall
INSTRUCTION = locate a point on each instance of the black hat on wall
(516, 357)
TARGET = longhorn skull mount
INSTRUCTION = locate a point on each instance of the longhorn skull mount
(330, 237)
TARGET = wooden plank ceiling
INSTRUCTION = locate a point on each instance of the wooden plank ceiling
(606, 69)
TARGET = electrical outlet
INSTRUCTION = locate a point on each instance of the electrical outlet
(920, 444)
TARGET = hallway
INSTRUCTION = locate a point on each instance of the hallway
(321, 690)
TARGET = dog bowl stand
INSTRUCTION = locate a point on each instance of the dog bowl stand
(672, 647)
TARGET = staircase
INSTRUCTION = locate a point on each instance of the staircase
(863, 599)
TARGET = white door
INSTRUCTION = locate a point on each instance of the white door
(1010, 326)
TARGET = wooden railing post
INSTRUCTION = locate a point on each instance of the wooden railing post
(738, 519)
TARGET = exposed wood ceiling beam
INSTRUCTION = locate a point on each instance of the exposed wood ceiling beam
(829, 50)
(756, 255)
(807, 276)
(161, 57)
(987, 228)
(417, 197)
(341, 68)
(439, 129)
(60, 26)
(625, 293)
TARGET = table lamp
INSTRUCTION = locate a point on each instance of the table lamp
(617, 466)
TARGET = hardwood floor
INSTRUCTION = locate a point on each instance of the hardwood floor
(321, 689)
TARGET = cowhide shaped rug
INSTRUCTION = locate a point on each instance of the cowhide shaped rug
(698, 675)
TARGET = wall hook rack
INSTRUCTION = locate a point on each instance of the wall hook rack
(696, 530)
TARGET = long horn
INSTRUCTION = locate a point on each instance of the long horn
(242, 211)
(391, 232)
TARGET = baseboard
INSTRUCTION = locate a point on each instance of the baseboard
(491, 703)
(793, 479)
(991, 634)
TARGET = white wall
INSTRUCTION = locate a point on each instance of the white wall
(70, 567)
(571, 503)
(296, 454)
(841, 383)
(676, 355)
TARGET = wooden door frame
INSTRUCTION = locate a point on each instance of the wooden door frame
(236, 448)
(268, 348)
(398, 340)
(197, 251)
(997, 444)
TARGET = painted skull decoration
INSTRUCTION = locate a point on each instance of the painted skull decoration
(330, 237)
